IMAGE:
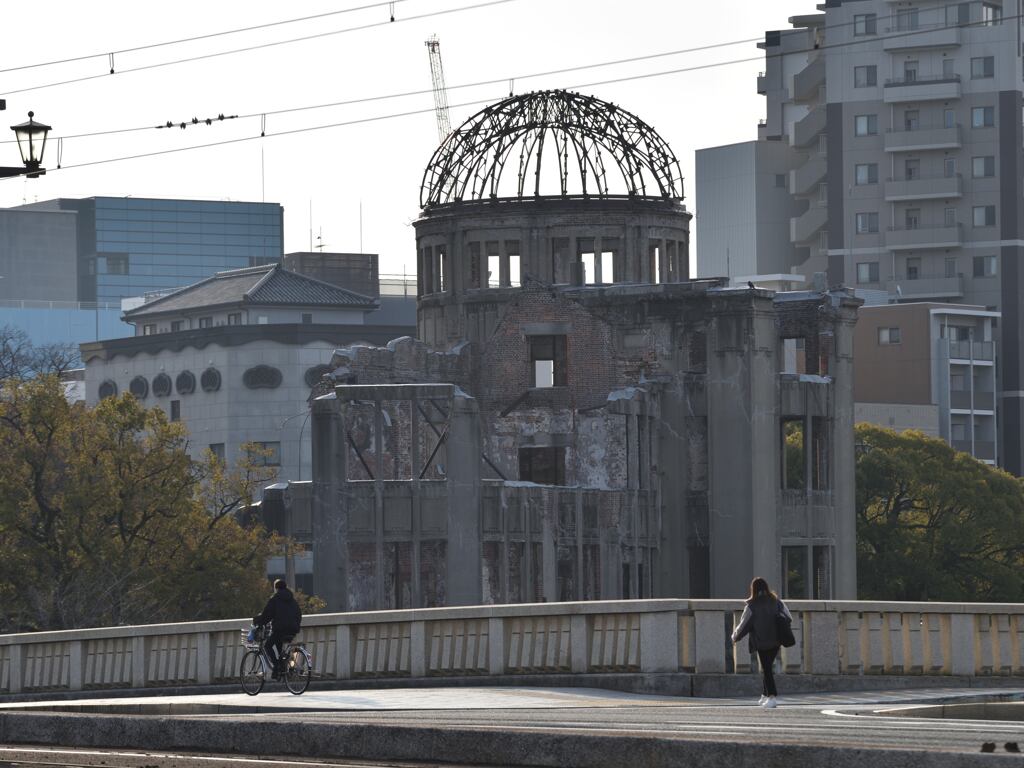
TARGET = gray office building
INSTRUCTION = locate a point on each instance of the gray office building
(900, 128)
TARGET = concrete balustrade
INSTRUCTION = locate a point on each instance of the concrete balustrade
(650, 636)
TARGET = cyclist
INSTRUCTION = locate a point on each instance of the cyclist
(286, 617)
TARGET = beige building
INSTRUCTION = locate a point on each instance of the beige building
(931, 367)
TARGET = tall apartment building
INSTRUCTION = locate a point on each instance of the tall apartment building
(901, 122)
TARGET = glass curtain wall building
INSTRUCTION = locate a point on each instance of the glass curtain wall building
(130, 246)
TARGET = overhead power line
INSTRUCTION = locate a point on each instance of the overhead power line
(260, 46)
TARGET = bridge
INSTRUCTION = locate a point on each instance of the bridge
(867, 654)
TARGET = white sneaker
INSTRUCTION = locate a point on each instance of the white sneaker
(761, 701)
(770, 703)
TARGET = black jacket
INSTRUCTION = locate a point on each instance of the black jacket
(281, 609)
(759, 623)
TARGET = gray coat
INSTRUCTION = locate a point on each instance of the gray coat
(758, 623)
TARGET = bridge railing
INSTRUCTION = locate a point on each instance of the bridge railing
(833, 638)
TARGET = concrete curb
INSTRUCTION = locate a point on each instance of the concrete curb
(481, 746)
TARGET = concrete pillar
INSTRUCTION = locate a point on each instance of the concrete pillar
(495, 646)
(138, 662)
(823, 646)
(841, 445)
(962, 644)
(343, 652)
(328, 518)
(659, 641)
(418, 649)
(76, 665)
(549, 554)
(464, 449)
(204, 661)
(579, 644)
(15, 667)
(710, 631)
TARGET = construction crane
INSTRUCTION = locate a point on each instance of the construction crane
(444, 125)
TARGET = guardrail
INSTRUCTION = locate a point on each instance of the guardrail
(691, 636)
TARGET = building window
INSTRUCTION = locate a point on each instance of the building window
(911, 169)
(949, 118)
(177, 325)
(794, 568)
(307, 318)
(949, 167)
(913, 267)
(262, 320)
(984, 215)
(206, 322)
(235, 318)
(217, 449)
(865, 24)
(544, 466)
(912, 218)
(983, 117)
(990, 14)
(780, 180)
(547, 361)
(906, 20)
(267, 454)
(949, 217)
(984, 266)
(888, 335)
(117, 263)
(175, 410)
(948, 69)
(958, 14)
(865, 125)
(911, 120)
(149, 329)
(983, 167)
(866, 173)
(867, 223)
(951, 266)
(867, 272)
(983, 66)
(910, 71)
(865, 76)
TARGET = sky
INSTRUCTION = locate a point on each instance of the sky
(342, 152)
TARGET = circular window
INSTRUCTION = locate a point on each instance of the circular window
(185, 383)
(161, 385)
(108, 389)
(210, 380)
(139, 387)
(314, 374)
(262, 377)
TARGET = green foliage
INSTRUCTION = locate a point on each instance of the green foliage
(934, 523)
(104, 518)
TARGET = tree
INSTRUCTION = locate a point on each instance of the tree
(934, 523)
(104, 518)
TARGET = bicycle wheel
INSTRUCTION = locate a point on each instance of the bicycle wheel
(252, 673)
(299, 670)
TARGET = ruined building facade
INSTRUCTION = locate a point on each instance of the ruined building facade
(578, 419)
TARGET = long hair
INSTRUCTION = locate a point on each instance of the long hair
(760, 587)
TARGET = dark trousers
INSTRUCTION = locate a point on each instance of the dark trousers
(273, 644)
(767, 659)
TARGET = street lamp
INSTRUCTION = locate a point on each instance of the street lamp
(31, 138)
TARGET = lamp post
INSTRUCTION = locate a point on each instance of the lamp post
(31, 138)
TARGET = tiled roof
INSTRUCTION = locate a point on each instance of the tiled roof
(269, 284)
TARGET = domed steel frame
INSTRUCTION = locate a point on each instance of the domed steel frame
(469, 163)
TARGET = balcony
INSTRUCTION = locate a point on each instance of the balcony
(939, 187)
(924, 238)
(916, 39)
(925, 288)
(960, 400)
(923, 139)
(804, 228)
(984, 450)
(922, 89)
(806, 129)
(762, 83)
(807, 81)
(805, 178)
(971, 350)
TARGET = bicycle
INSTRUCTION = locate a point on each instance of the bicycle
(256, 664)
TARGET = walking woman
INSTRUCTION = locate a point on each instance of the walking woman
(760, 626)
